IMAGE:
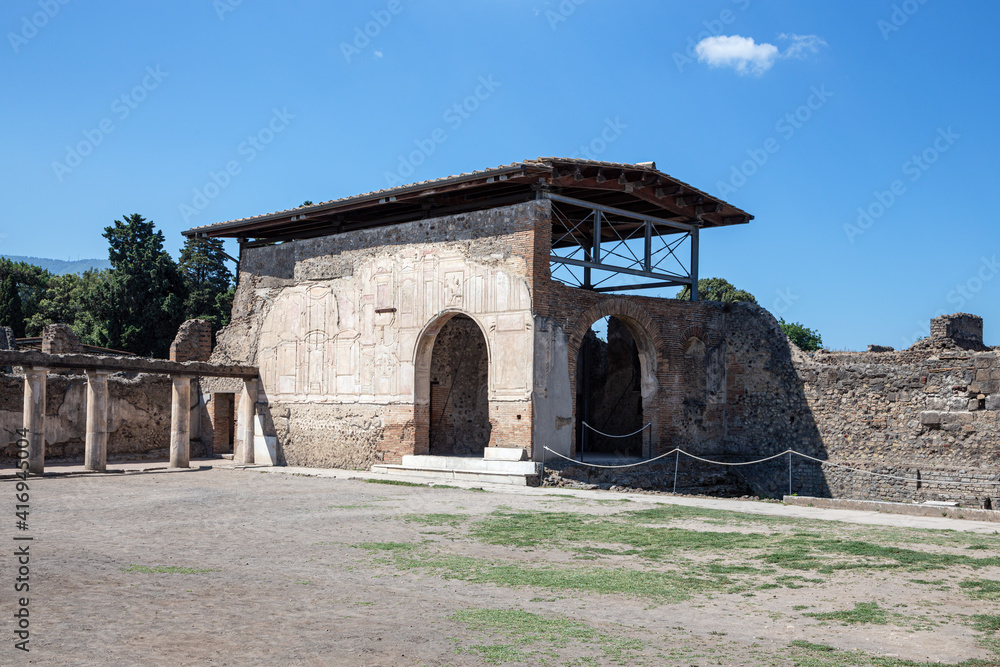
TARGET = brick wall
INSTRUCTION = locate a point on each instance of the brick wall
(193, 342)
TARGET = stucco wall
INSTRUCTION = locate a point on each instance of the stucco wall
(342, 328)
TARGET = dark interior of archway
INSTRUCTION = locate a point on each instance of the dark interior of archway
(460, 409)
(608, 393)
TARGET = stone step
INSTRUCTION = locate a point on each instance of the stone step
(450, 468)
(469, 463)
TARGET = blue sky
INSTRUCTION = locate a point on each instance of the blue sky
(162, 95)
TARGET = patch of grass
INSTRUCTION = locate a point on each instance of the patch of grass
(164, 569)
(387, 546)
(527, 636)
(863, 613)
(988, 623)
(981, 589)
(436, 519)
(660, 586)
(809, 646)
(393, 482)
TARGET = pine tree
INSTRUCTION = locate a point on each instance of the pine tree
(142, 303)
(11, 314)
(208, 281)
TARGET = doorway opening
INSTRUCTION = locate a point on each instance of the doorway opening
(459, 390)
(609, 411)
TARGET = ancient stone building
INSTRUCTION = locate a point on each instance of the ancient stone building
(447, 317)
(453, 317)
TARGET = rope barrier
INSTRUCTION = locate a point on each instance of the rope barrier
(606, 435)
(596, 465)
(789, 452)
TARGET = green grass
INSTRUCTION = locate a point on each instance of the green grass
(436, 519)
(394, 482)
(988, 623)
(660, 586)
(598, 536)
(981, 589)
(863, 613)
(387, 546)
(164, 569)
(523, 636)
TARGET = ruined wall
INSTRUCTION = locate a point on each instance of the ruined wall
(342, 328)
(932, 417)
(139, 417)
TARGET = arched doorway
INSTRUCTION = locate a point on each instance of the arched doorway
(609, 396)
(459, 390)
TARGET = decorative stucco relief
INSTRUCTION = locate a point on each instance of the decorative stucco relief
(353, 338)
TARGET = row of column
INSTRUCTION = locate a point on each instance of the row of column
(96, 442)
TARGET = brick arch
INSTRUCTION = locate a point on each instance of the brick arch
(648, 341)
(644, 332)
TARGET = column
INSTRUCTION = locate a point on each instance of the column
(245, 423)
(180, 423)
(96, 455)
(34, 418)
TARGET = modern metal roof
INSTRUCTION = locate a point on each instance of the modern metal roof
(638, 188)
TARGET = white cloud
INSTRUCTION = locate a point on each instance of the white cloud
(802, 45)
(747, 57)
(740, 53)
(378, 54)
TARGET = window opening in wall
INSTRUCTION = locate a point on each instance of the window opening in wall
(459, 394)
(609, 396)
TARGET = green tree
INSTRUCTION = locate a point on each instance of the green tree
(141, 305)
(806, 339)
(72, 299)
(20, 300)
(11, 314)
(208, 281)
(717, 289)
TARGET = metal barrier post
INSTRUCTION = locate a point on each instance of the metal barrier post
(677, 462)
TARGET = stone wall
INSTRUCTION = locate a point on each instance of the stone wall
(139, 417)
(932, 417)
(60, 339)
(193, 341)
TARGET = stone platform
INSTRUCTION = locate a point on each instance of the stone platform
(468, 469)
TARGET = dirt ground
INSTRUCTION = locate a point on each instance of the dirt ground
(237, 567)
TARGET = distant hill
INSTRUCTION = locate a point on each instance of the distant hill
(59, 267)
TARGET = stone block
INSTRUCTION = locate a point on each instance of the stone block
(930, 417)
(505, 454)
(936, 403)
(993, 402)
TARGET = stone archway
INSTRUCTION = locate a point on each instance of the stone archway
(638, 330)
(451, 386)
